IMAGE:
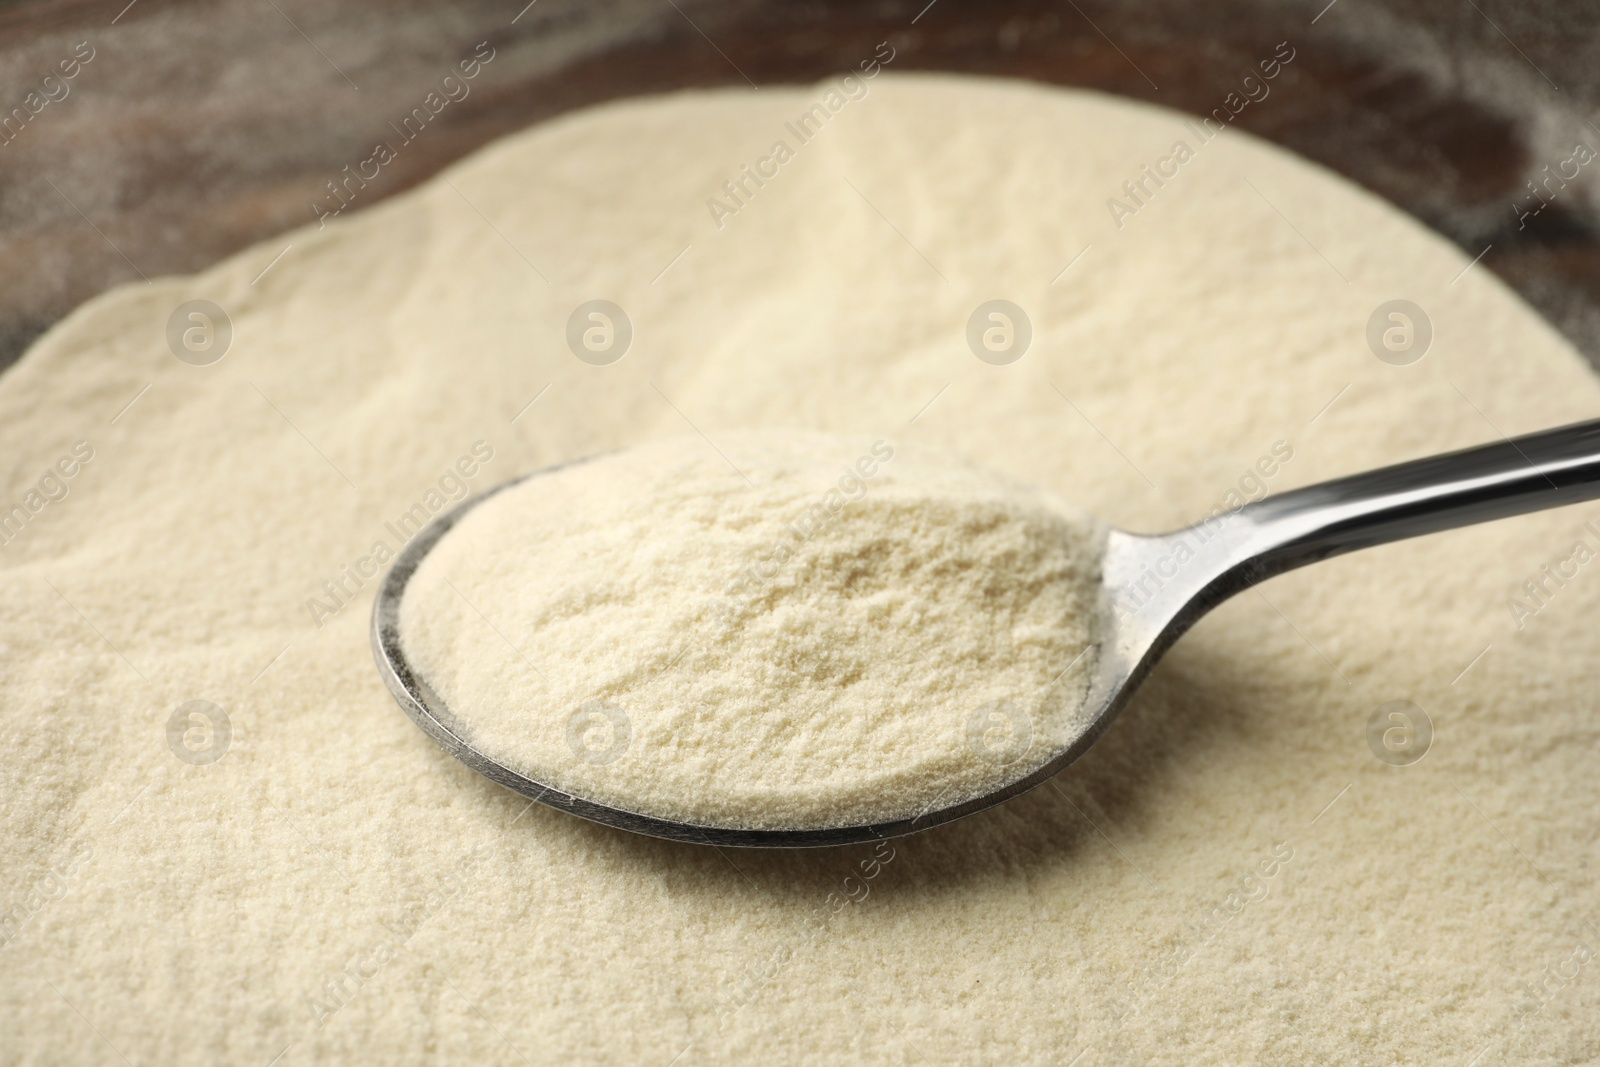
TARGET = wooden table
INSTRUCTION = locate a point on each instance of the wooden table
(197, 128)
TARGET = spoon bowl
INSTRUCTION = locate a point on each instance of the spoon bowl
(1153, 588)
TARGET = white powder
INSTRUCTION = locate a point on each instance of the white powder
(784, 631)
(1228, 876)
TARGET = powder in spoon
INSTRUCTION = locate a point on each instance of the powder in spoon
(790, 630)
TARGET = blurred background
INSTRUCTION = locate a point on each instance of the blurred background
(190, 129)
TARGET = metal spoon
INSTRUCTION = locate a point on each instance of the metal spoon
(1154, 588)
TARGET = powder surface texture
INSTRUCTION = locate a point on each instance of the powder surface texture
(786, 631)
(1230, 875)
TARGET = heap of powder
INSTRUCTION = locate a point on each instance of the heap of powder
(1233, 874)
(796, 631)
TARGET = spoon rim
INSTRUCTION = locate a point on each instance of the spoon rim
(429, 712)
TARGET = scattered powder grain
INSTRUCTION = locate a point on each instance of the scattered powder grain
(776, 633)
(1229, 876)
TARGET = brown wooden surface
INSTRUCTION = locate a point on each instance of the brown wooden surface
(202, 127)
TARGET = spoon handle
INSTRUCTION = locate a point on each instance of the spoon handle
(1542, 470)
